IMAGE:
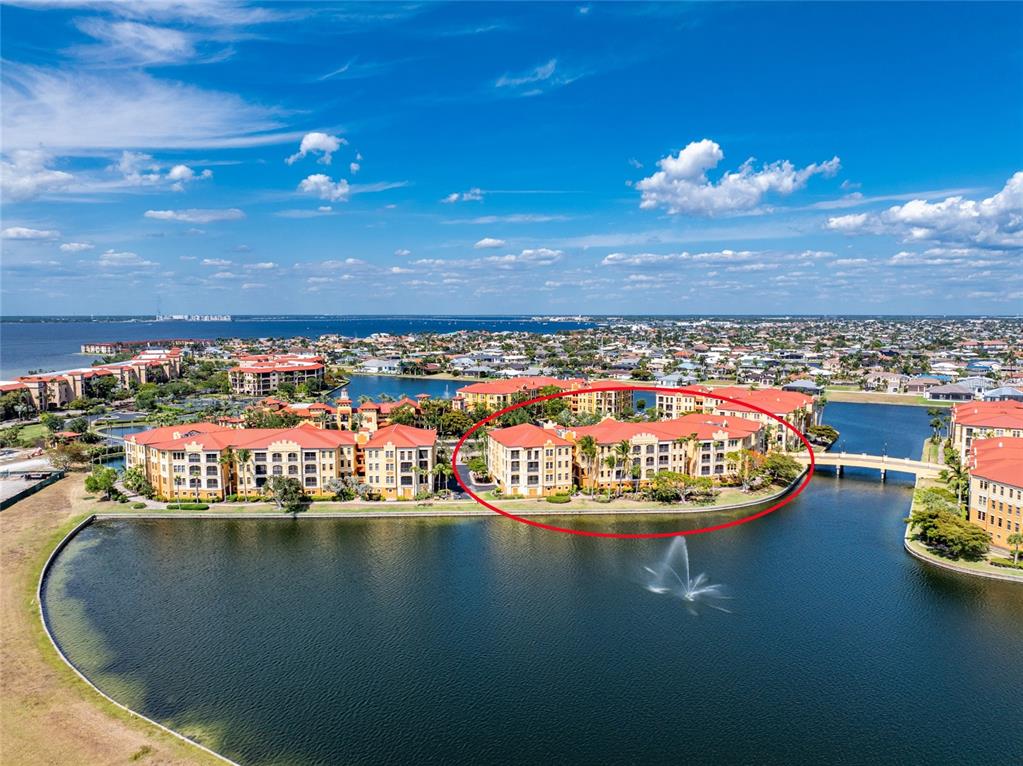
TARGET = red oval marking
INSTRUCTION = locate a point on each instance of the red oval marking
(633, 535)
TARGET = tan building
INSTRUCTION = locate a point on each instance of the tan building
(58, 389)
(984, 420)
(202, 461)
(262, 374)
(530, 461)
(498, 394)
(399, 460)
(695, 445)
(996, 487)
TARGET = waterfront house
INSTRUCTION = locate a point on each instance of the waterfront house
(530, 461)
(982, 420)
(950, 392)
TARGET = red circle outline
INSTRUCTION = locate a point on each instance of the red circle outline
(632, 535)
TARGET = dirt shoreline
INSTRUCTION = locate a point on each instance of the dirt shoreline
(47, 714)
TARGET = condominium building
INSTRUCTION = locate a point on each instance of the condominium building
(57, 389)
(983, 420)
(399, 460)
(697, 444)
(996, 487)
(497, 394)
(204, 461)
(794, 408)
(208, 461)
(262, 374)
(530, 461)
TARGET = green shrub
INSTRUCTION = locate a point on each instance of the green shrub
(321, 498)
(1000, 562)
(188, 507)
(558, 498)
(138, 506)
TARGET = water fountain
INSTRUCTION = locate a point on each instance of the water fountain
(665, 579)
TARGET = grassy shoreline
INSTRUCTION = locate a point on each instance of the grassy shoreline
(47, 714)
(877, 397)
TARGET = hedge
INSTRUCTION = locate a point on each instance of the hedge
(558, 498)
(137, 506)
(187, 507)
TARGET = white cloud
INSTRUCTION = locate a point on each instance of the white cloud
(133, 43)
(68, 109)
(488, 242)
(24, 232)
(513, 218)
(139, 169)
(354, 167)
(535, 81)
(996, 221)
(323, 144)
(401, 251)
(25, 175)
(847, 222)
(642, 259)
(76, 247)
(263, 265)
(323, 187)
(473, 195)
(682, 186)
(533, 257)
(218, 262)
(112, 259)
(252, 286)
(196, 215)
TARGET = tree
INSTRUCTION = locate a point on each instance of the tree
(938, 522)
(781, 468)
(260, 418)
(51, 422)
(454, 423)
(134, 479)
(1015, 540)
(749, 467)
(286, 493)
(227, 462)
(588, 452)
(478, 468)
(102, 480)
(242, 457)
(405, 415)
(146, 396)
(78, 425)
(956, 476)
(67, 455)
(623, 457)
(443, 471)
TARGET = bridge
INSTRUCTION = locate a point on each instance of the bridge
(883, 463)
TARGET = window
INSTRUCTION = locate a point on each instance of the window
(292, 457)
(310, 481)
(310, 456)
(211, 470)
(178, 455)
(276, 457)
(194, 457)
(278, 470)
(260, 457)
(292, 470)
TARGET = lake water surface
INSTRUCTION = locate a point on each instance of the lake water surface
(485, 641)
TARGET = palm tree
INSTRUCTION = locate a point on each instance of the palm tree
(243, 456)
(226, 461)
(623, 454)
(443, 471)
(588, 451)
(1015, 540)
(685, 441)
(955, 475)
(611, 461)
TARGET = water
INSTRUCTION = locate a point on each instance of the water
(375, 385)
(54, 345)
(485, 641)
(672, 576)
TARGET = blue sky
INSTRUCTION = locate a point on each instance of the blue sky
(511, 158)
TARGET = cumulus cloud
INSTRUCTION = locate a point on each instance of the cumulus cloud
(25, 175)
(541, 256)
(76, 247)
(139, 169)
(263, 265)
(401, 251)
(489, 242)
(995, 221)
(473, 195)
(24, 232)
(324, 188)
(218, 262)
(681, 186)
(323, 144)
(196, 215)
(124, 259)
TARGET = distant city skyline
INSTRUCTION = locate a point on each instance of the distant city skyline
(508, 159)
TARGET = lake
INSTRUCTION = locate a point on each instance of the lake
(485, 641)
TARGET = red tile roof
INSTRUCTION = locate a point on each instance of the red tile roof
(515, 385)
(403, 436)
(1007, 414)
(527, 436)
(610, 431)
(999, 459)
(212, 436)
(774, 400)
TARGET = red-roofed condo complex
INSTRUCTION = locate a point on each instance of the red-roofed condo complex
(982, 420)
(530, 461)
(996, 487)
(206, 461)
(262, 374)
